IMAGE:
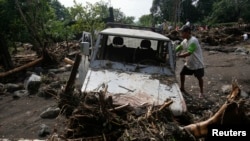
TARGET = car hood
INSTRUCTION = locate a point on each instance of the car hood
(136, 88)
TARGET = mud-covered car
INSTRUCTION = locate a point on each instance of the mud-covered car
(136, 63)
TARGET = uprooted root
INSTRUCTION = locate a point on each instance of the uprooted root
(96, 118)
(230, 113)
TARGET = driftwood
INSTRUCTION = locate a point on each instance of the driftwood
(201, 129)
(30, 64)
(68, 61)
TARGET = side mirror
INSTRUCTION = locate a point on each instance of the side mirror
(85, 48)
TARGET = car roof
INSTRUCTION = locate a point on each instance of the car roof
(135, 33)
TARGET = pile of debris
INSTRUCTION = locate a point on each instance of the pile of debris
(216, 36)
(95, 117)
(222, 36)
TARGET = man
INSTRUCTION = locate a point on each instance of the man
(194, 59)
(187, 23)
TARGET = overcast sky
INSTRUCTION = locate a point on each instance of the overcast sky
(135, 8)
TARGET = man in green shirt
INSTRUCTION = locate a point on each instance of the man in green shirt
(194, 59)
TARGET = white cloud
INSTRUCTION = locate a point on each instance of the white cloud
(135, 8)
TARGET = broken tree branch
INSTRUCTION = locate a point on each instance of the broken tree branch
(73, 74)
(30, 64)
(68, 61)
(119, 107)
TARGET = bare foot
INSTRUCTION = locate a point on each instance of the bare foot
(183, 90)
(201, 95)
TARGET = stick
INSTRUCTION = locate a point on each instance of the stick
(119, 107)
(166, 104)
(68, 61)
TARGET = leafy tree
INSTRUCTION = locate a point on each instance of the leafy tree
(204, 7)
(162, 10)
(30, 21)
(243, 7)
(221, 10)
(145, 20)
(61, 12)
(93, 17)
(35, 15)
(229, 11)
(59, 28)
(174, 11)
(189, 11)
(88, 18)
(120, 17)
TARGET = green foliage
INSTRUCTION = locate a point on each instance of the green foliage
(222, 9)
(61, 13)
(11, 27)
(189, 11)
(162, 10)
(202, 11)
(120, 17)
(244, 7)
(88, 18)
(173, 11)
(224, 24)
(145, 20)
(48, 20)
(229, 11)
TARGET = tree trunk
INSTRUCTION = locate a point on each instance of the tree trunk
(5, 58)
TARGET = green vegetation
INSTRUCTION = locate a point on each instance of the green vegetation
(48, 21)
(201, 11)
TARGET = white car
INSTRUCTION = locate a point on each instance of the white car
(136, 63)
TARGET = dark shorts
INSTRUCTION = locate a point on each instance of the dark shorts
(197, 73)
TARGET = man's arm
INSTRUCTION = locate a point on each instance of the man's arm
(192, 47)
(185, 54)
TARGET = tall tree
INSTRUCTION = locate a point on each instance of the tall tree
(235, 8)
(7, 35)
(35, 15)
(189, 11)
(120, 17)
(89, 17)
(175, 11)
(205, 8)
(163, 10)
(61, 12)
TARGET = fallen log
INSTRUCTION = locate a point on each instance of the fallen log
(200, 129)
(30, 64)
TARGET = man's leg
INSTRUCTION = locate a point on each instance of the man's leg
(185, 71)
(200, 79)
(182, 83)
(199, 75)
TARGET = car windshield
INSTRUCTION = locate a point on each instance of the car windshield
(132, 42)
(133, 50)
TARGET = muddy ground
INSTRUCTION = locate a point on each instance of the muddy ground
(20, 118)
